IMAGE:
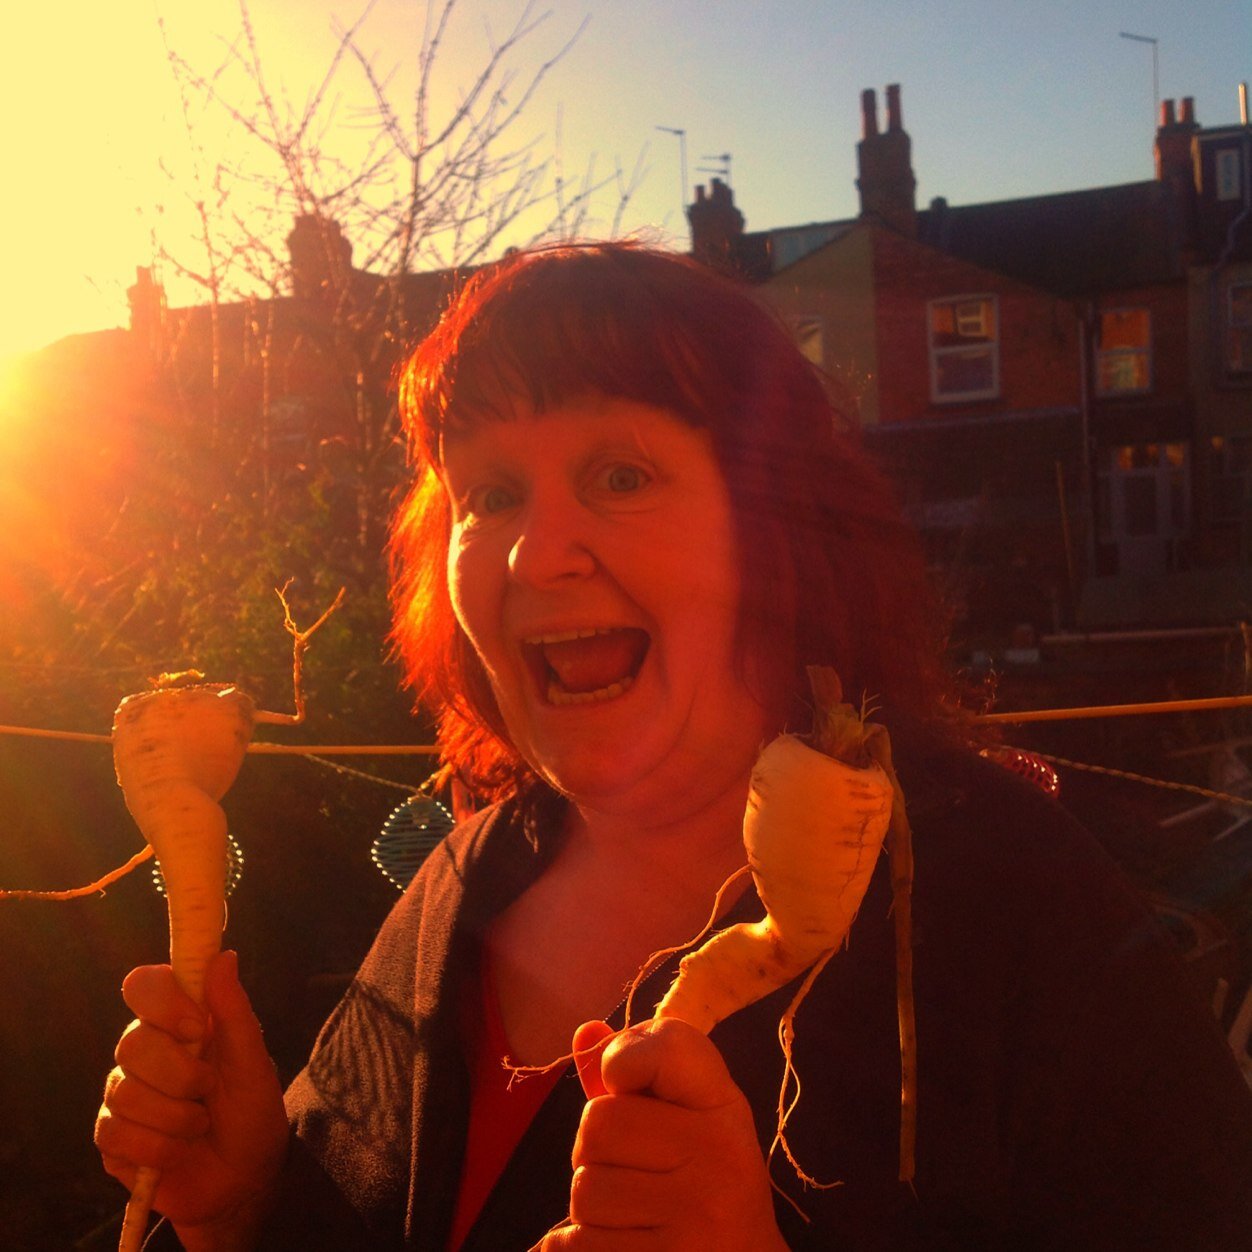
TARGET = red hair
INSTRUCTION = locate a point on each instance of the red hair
(831, 573)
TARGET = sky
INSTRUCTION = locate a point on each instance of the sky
(1002, 98)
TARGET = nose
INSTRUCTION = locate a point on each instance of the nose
(553, 544)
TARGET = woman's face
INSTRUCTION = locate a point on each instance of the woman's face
(593, 566)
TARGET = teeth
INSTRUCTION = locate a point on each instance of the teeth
(557, 696)
(564, 636)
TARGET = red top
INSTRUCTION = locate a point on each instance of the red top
(499, 1113)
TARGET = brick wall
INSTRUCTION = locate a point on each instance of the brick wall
(1038, 334)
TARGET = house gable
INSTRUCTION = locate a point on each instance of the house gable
(1033, 335)
(827, 299)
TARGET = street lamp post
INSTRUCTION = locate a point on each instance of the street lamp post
(682, 158)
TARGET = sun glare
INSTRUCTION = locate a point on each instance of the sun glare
(46, 313)
(10, 381)
(17, 413)
(80, 151)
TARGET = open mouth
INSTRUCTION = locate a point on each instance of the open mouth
(586, 665)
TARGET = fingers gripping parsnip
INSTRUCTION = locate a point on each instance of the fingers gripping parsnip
(176, 751)
(819, 814)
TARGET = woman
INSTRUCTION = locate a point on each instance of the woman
(636, 521)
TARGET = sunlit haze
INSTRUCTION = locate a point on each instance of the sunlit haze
(1001, 99)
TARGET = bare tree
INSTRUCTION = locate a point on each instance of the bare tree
(407, 189)
(415, 186)
(326, 234)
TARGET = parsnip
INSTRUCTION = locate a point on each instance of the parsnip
(176, 751)
(817, 816)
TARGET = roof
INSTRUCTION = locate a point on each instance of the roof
(790, 244)
(1072, 243)
(757, 255)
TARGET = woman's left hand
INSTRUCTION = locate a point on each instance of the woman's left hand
(666, 1155)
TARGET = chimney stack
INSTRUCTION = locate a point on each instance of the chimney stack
(147, 309)
(885, 166)
(321, 258)
(1176, 156)
(1173, 143)
(716, 225)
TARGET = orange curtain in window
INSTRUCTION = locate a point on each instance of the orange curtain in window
(1124, 328)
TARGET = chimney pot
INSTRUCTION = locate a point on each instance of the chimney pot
(869, 113)
(1188, 111)
(895, 120)
(1167, 112)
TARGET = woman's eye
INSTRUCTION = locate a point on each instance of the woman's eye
(486, 501)
(624, 478)
(495, 500)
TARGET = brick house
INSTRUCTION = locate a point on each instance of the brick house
(296, 367)
(1061, 385)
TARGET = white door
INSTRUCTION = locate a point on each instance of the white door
(1148, 504)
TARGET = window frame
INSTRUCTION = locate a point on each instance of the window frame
(1230, 488)
(1228, 173)
(1102, 354)
(807, 329)
(990, 346)
(1242, 328)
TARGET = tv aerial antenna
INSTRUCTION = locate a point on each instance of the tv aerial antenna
(722, 168)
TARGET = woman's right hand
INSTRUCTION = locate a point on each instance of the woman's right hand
(213, 1125)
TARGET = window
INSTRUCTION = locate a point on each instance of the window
(1124, 352)
(964, 349)
(1228, 174)
(290, 422)
(1239, 328)
(810, 337)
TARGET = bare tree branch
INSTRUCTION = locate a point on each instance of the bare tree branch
(374, 175)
